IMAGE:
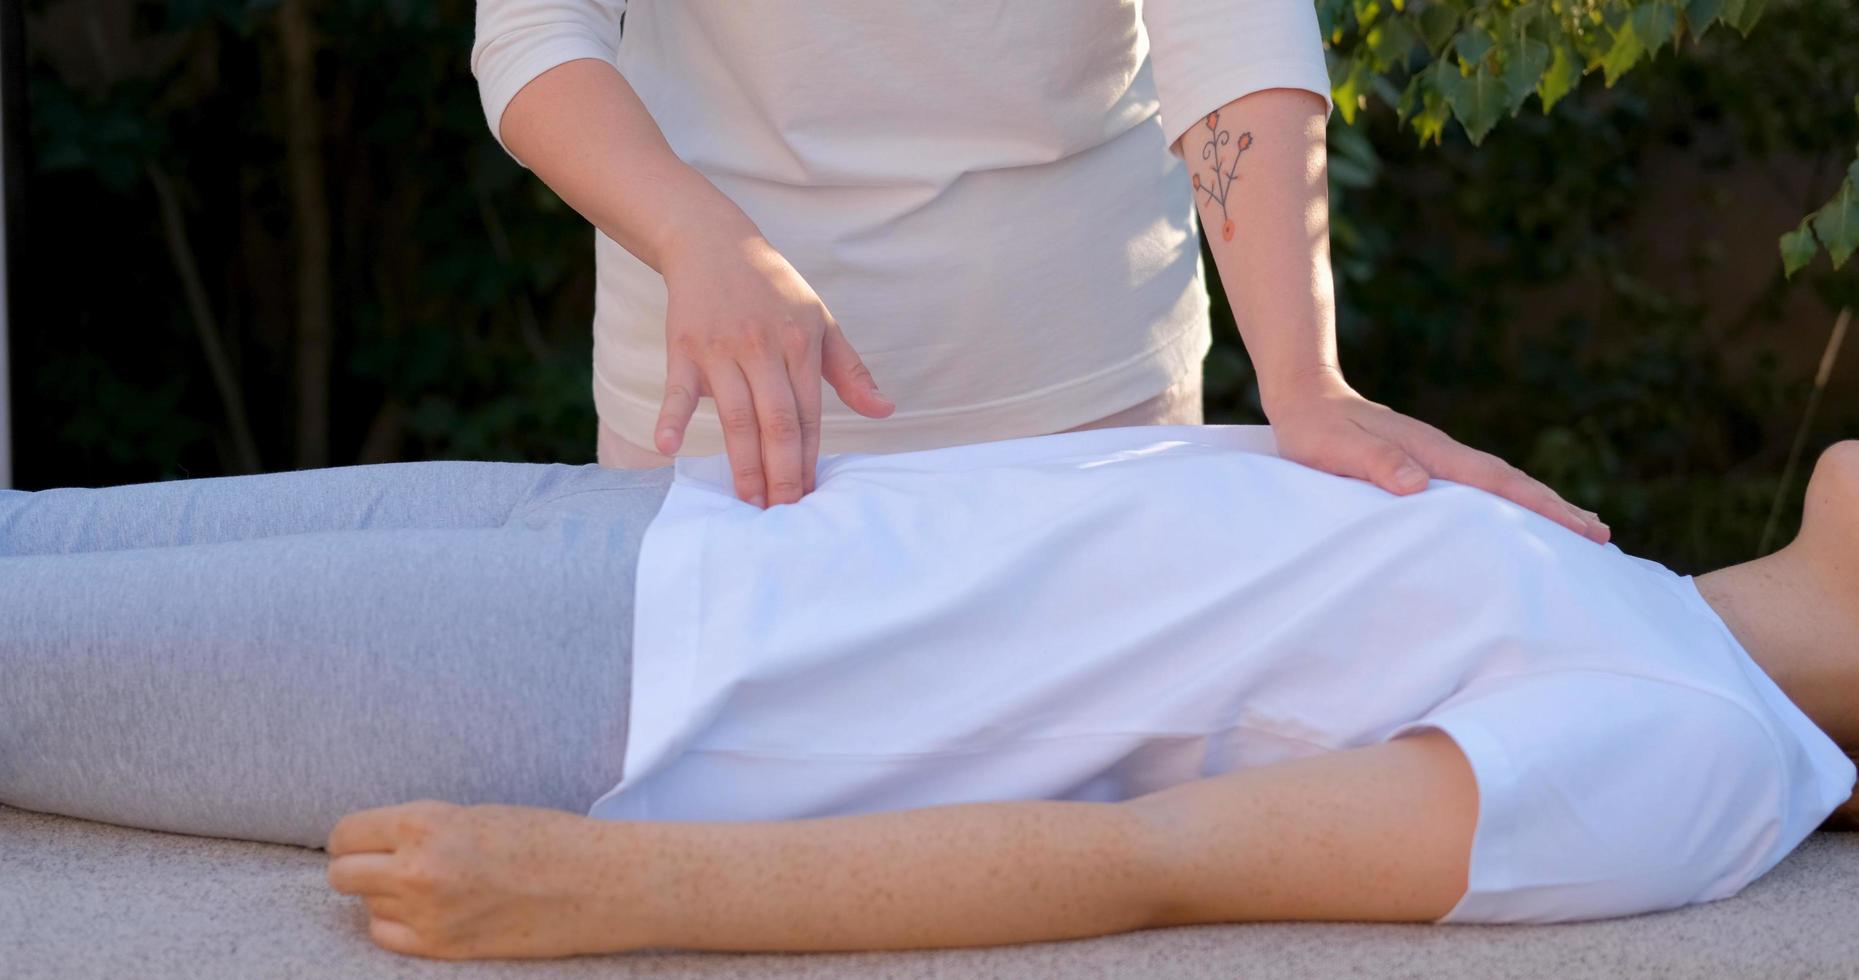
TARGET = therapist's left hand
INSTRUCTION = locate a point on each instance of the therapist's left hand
(1328, 426)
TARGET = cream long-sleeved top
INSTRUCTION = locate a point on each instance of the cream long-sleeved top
(981, 192)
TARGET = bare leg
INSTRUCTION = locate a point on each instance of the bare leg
(1797, 610)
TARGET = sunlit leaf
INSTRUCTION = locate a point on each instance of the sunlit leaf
(1798, 249)
(1564, 71)
(1746, 18)
(1347, 90)
(1837, 224)
(1625, 51)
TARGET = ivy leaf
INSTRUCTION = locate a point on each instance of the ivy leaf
(1559, 80)
(1622, 54)
(1798, 248)
(1701, 14)
(1524, 63)
(1479, 100)
(1653, 23)
(1837, 224)
(1746, 18)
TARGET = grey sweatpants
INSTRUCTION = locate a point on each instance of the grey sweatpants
(254, 657)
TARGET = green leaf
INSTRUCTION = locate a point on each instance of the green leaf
(1701, 14)
(1623, 54)
(1347, 91)
(1422, 105)
(1837, 224)
(1653, 24)
(1524, 64)
(1472, 45)
(1852, 173)
(1479, 100)
(1747, 17)
(1564, 71)
(1438, 23)
(1798, 248)
(1390, 42)
(1329, 15)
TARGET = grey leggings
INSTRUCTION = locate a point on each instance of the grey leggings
(254, 657)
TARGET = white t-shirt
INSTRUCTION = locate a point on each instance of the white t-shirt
(980, 192)
(1100, 614)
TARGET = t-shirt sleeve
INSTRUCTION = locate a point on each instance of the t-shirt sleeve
(518, 40)
(1206, 53)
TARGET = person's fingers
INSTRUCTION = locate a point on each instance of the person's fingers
(362, 872)
(1370, 457)
(842, 368)
(804, 371)
(365, 830)
(682, 383)
(742, 431)
(772, 390)
(1472, 467)
(395, 936)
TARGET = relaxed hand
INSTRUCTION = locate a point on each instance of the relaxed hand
(744, 328)
(1330, 427)
(484, 882)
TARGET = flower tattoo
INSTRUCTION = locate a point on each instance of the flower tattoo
(1225, 170)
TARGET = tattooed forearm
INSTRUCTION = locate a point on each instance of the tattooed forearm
(1225, 173)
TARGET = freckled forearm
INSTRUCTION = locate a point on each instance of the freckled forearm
(971, 875)
(1259, 167)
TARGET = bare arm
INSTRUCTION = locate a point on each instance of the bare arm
(583, 130)
(1376, 833)
(742, 326)
(1259, 168)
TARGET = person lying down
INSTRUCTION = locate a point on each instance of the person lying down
(1034, 689)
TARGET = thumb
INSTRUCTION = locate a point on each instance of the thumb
(841, 367)
(1386, 465)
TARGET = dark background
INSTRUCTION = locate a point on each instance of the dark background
(258, 235)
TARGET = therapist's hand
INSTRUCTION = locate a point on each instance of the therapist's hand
(1328, 426)
(742, 327)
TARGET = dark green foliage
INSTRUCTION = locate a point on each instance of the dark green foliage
(462, 289)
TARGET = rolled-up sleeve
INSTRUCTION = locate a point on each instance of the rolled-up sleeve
(518, 40)
(1206, 53)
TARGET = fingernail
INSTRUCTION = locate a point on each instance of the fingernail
(759, 500)
(1410, 477)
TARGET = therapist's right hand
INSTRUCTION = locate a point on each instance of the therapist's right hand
(743, 328)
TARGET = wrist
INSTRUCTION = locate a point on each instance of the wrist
(1288, 392)
(698, 224)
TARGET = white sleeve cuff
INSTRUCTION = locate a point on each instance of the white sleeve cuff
(1190, 100)
(511, 61)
